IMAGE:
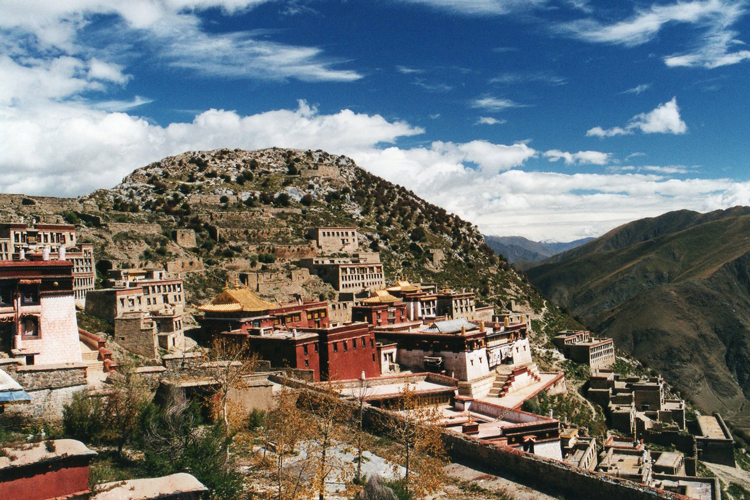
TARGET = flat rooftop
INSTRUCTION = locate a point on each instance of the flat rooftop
(150, 488)
(669, 459)
(710, 427)
(394, 389)
(516, 398)
(31, 453)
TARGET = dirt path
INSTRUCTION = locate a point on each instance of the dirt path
(730, 474)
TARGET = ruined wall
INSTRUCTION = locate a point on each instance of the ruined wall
(178, 266)
(185, 238)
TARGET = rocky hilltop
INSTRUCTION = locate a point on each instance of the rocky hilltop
(674, 291)
(213, 214)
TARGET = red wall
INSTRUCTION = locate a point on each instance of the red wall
(44, 481)
(340, 364)
(287, 353)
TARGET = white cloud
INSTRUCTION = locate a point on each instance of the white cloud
(480, 7)
(488, 120)
(173, 31)
(581, 157)
(490, 103)
(664, 119)
(408, 71)
(638, 89)
(516, 78)
(64, 149)
(710, 50)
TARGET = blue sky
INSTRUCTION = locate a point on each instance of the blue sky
(551, 120)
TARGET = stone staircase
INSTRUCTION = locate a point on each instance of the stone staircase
(511, 379)
(91, 358)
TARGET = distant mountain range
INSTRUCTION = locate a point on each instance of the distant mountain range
(520, 249)
(674, 291)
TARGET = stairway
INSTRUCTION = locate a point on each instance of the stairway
(511, 379)
(91, 358)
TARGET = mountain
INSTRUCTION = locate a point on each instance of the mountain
(212, 214)
(672, 290)
(520, 249)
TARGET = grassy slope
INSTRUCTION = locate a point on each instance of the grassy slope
(674, 292)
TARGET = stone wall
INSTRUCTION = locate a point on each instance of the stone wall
(50, 387)
(185, 238)
(137, 336)
(548, 474)
(178, 266)
(125, 227)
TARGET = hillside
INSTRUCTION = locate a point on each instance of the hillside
(520, 249)
(213, 214)
(675, 292)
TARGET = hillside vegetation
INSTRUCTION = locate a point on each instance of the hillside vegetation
(250, 210)
(675, 292)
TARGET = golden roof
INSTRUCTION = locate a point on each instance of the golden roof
(381, 297)
(237, 300)
(404, 286)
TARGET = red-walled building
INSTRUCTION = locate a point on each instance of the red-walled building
(380, 309)
(240, 308)
(284, 348)
(46, 470)
(347, 351)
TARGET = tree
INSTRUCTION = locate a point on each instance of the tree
(328, 412)
(227, 364)
(361, 395)
(174, 441)
(421, 452)
(286, 427)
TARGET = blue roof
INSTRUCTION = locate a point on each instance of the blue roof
(11, 391)
(450, 326)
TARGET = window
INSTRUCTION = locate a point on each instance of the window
(346, 347)
(364, 342)
(335, 347)
(372, 343)
(6, 295)
(373, 357)
(307, 363)
(354, 344)
(304, 349)
(315, 347)
(29, 294)
(30, 326)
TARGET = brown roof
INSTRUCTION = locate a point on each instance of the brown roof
(237, 300)
(381, 297)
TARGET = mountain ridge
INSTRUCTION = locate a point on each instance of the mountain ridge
(674, 291)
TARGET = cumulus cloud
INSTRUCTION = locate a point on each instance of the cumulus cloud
(581, 157)
(713, 48)
(665, 119)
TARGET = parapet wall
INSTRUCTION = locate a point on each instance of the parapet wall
(550, 474)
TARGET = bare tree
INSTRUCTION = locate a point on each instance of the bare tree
(286, 427)
(420, 450)
(361, 394)
(227, 364)
(328, 416)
